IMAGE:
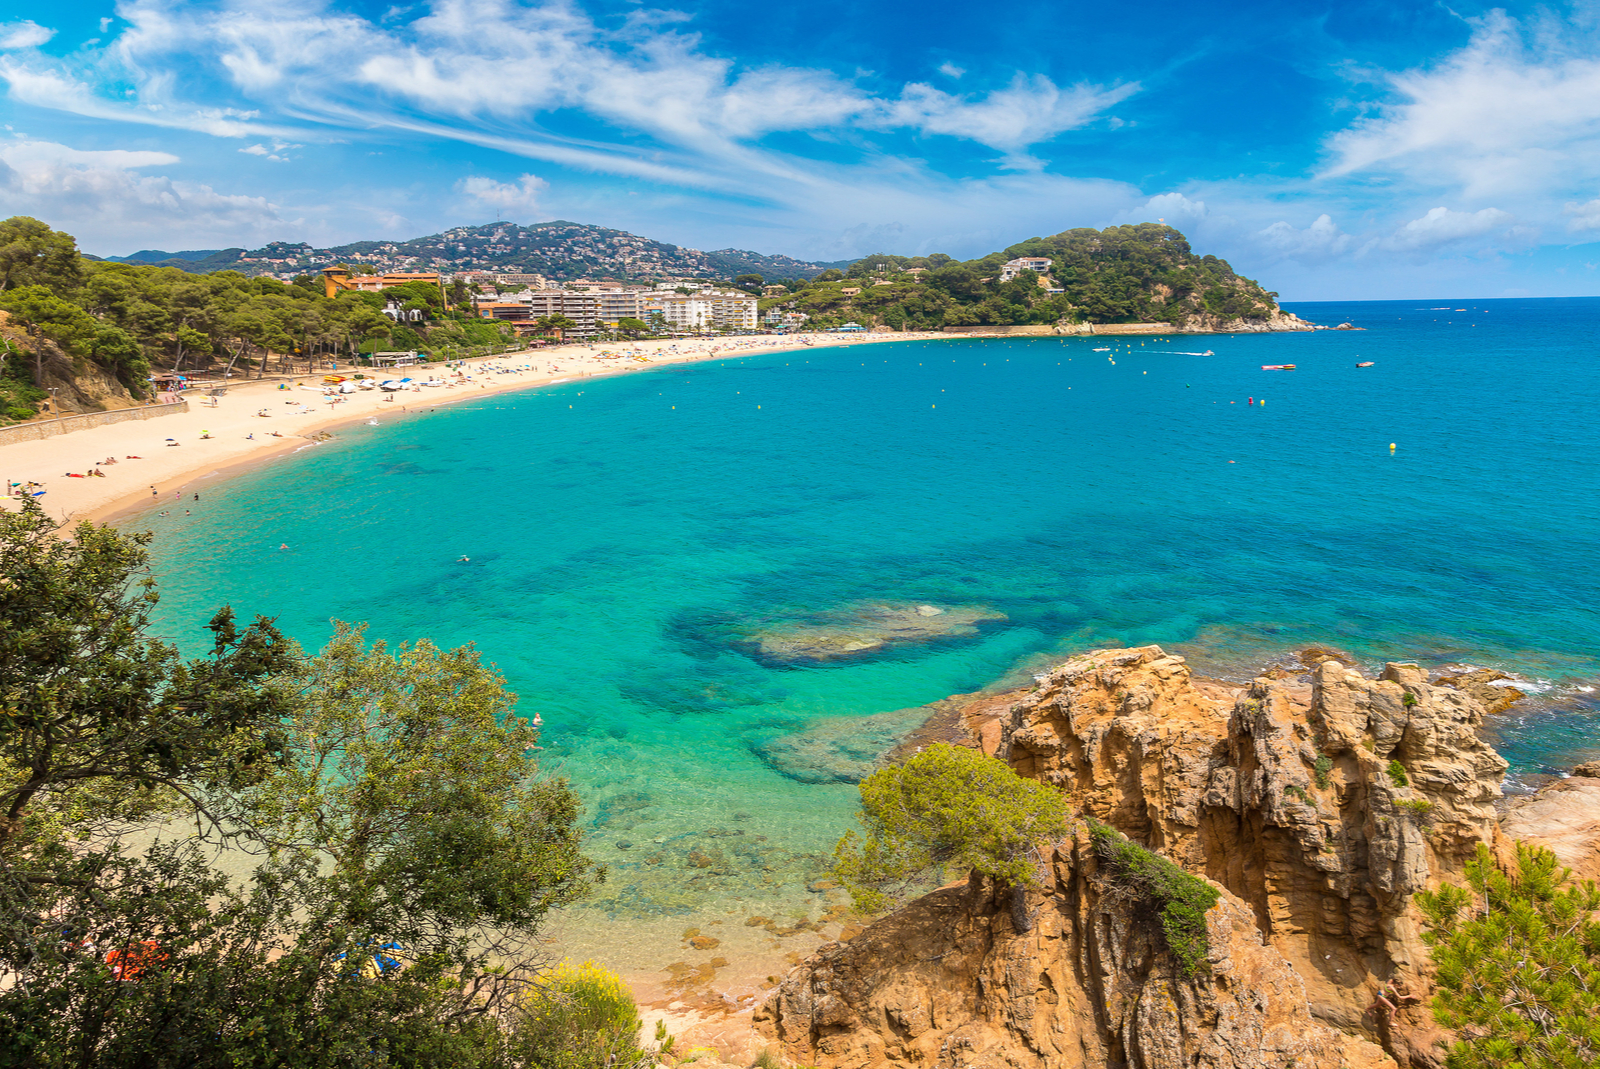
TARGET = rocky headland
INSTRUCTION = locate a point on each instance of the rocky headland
(1315, 804)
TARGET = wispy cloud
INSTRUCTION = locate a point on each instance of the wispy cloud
(24, 34)
(1515, 111)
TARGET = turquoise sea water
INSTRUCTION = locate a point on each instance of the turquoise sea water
(625, 534)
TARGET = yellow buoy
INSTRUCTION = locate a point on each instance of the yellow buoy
(1391, 447)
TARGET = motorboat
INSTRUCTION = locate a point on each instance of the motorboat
(1366, 363)
(1277, 367)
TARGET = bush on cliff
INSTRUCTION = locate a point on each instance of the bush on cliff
(1518, 959)
(393, 846)
(581, 1017)
(947, 807)
(1181, 900)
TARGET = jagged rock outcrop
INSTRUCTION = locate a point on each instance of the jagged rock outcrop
(950, 981)
(1321, 809)
(1211, 323)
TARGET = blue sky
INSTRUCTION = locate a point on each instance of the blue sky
(1344, 150)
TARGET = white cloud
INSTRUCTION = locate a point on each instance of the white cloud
(521, 196)
(950, 70)
(62, 92)
(101, 193)
(1174, 209)
(1442, 226)
(1584, 216)
(1317, 243)
(275, 152)
(497, 64)
(1516, 110)
(24, 34)
(1027, 112)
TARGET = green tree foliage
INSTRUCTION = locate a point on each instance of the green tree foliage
(945, 808)
(410, 773)
(1141, 273)
(1518, 959)
(393, 845)
(31, 254)
(751, 282)
(633, 327)
(1178, 900)
(581, 1017)
(554, 324)
(125, 317)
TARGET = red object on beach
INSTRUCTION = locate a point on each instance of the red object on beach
(131, 961)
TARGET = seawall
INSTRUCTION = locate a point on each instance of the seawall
(46, 428)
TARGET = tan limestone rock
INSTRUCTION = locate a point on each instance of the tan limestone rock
(950, 981)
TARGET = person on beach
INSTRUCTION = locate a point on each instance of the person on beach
(153, 492)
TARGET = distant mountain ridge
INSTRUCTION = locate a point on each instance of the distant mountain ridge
(560, 250)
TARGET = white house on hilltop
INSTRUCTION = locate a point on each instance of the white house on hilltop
(1039, 265)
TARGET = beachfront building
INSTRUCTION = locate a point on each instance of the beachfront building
(337, 279)
(524, 310)
(1039, 265)
(778, 319)
(707, 310)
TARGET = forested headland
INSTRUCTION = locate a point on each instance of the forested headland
(68, 314)
(1142, 273)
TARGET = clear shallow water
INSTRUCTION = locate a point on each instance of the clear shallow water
(623, 532)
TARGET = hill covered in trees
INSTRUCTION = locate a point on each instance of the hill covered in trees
(69, 317)
(1143, 273)
(559, 250)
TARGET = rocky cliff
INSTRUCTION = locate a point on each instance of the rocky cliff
(1210, 323)
(1316, 807)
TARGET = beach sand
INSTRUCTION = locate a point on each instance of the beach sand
(165, 474)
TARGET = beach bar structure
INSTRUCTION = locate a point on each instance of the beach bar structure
(394, 359)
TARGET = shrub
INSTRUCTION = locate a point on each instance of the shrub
(1416, 807)
(579, 1017)
(1397, 773)
(1324, 771)
(946, 807)
(1408, 700)
(1518, 960)
(1180, 899)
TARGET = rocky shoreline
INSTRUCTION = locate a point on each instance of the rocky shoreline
(1316, 803)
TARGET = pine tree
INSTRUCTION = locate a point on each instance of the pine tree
(1518, 960)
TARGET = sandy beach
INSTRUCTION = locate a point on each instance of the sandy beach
(256, 421)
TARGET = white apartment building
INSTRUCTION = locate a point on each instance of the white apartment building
(1039, 265)
(708, 310)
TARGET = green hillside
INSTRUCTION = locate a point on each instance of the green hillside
(1144, 273)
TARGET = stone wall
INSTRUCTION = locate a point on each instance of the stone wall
(47, 428)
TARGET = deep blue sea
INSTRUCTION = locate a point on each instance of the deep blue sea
(625, 535)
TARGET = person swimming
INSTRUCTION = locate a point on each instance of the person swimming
(463, 559)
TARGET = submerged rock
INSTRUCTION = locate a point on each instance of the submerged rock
(864, 628)
(845, 749)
